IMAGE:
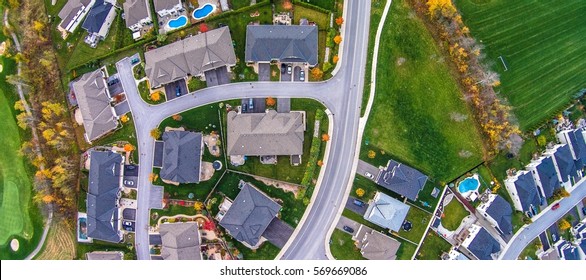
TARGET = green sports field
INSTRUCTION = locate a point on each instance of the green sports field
(418, 116)
(543, 44)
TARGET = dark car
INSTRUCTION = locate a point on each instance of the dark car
(358, 203)
(130, 167)
(283, 68)
(584, 210)
(555, 206)
(134, 60)
(348, 229)
(177, 90)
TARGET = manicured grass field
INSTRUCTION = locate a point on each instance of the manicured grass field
(416, 99)
(433, 246)
(541, 43)
(454, 212)
(343, 248)
(419, 219)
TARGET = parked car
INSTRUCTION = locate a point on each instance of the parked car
(177, 90)
(128, 182)
(130, 167)
(584, 210)
(369, 175)
(283, 68)
(244, 107)
(302, 76)
(555, 206)
(251, 103)
(135, 60)
(127, 223)
(554, 237)
(358, 203)
(128, 228)
(289, 69)
(348, 229)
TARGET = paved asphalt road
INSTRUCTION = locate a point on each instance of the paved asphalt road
(342, 95)
(545, 219)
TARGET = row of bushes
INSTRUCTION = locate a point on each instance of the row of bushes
(313, 153)
(311, 6)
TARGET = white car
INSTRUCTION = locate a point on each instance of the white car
(302, 76)
(367, 174)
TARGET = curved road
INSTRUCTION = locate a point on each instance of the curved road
(342, 95)
(543, 221)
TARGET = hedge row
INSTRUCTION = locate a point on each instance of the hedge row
(313, 153)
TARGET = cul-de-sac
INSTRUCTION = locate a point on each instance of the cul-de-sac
(292, 130)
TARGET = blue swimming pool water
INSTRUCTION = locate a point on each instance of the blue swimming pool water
(469, 184)
(203, 11)
(178, 22)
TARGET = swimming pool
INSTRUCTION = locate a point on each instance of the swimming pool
(468, 185)
(178, 22)
(203, 11)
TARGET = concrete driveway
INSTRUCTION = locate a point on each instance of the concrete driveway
(217, 77)
(278, 233)
(347, 222)
(355, 208)
(264, 72)
(286, 77)
(364, 167)
(121, 108)
(171, 89)
(297, 73)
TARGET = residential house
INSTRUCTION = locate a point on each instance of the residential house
(576, 140)
(137, 15)
(401, 179)
(249, 215)
(98, 21)
(72, 14)
(564, 164)
(386, 212)
(104, 185)
(104, 256)
(180, 241)
(191, 56)
(545, 175)
(93, 98)
(182, 152)
(550, 255)
(266, 134)
(374, 245)
(579, 230)
(281, 43)
(454, 255)
(498, 212)
(168, 7)
(481, 244)
(568, 251)
(524, 193)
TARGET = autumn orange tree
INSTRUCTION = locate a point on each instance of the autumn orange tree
(338, 39)
(177, 117)
(339, 20)
(360, 192)
(271, 101)
(564, 225)
(335, 59)
(371, 154)
(124, 118)
(325, 137)
(155, 133)
(317, 73)
(128, 147)
(156, 96)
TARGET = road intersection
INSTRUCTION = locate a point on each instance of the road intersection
(342, 95)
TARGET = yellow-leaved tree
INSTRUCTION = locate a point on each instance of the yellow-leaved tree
(441, 8)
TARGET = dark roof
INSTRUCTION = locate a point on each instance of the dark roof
(286, 43)
(155, 239)
(402, 179)
(102, 196)
(180, 241)
(96, 17)
(548, 176)
(565, 162)
(527, 191)
(181, 156)
(250, 214)
(501, 211)
(483, 245)
(568, 251)
(70, 10)
(578, 143)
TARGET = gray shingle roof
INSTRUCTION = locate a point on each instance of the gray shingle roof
(165, 4)
(501, 211)
(548, 176)
(386, 212)
(102, 196)
(135, 11)
(97, 16)
(250, 214)
(94, 104)
(286, 43)
(70, 10)
(402, 179)
(104, 256)
(191, 56)
(180, 241)
(527, 191)
(182, 156)
(374, 245)
(264, 134)
(565, 162)
(483, 245)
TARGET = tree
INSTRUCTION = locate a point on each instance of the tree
(38, 26)
(124, 118)
(339, 20)
(338, 39)
(153, 177)
(155, 133)
(541, 141)
(128, 147)
(564, 225)
(161, 38)
(156, 96)
(325, 137)
(287, 5)
(198, 206)
(317, 73)
(371, 154)
(177, 117)
(441, 8)
(271, 101)
(203, 28)
(335, 59)
(360, 192)
(320, 163)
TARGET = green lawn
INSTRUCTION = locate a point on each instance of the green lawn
(539, 41)
(454, 212)
(433, 246)
(406, 250)
(343, 248)
(419, 219)
(172, 210)
(320, 18)
(267, 251)
(126, 133)
(416, 99)
(529, 251)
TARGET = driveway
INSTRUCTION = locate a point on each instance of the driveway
(258, 105)
(297, 73)
(122, 108)
(156, 197)
(278, 233)
(355, 208)
(283, 105)
(365, 167)
(264, 72)
(347, 222)
(217, 77)
(171, 89)
(129, 214)
(285, 77)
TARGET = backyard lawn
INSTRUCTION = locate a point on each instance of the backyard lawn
(453, 214)
(529, 252)
(433, 246)
(267, 251)
(539, 42)
(419, 219)
(343, 248)
(419, 117)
